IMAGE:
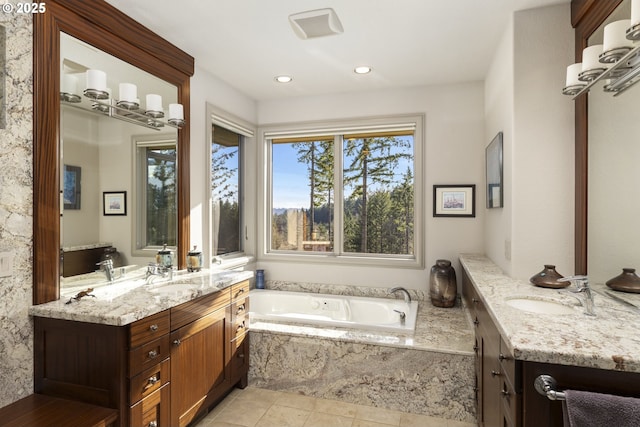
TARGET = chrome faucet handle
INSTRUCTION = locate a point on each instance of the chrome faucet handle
(581, 283)
(403, 316)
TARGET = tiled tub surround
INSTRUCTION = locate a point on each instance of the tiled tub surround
(608, 340)
(430, 372)
(139, 301)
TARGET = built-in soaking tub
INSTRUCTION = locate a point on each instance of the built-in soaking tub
(334, 310)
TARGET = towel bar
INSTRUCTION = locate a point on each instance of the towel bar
(546, 385)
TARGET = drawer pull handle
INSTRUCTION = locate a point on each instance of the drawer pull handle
(502, 357)
(240, 309)
(475, 300)
(177, 342)
(495, 373)
(476, 321)
(240, 327)
(153, 424)
(153, 327)
(153, 354)
(152, 381)
(476, 348)
(240, 291)
(504, 392)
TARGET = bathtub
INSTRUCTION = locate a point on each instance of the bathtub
(333, 310)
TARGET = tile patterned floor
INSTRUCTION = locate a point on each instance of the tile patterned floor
(255, 407)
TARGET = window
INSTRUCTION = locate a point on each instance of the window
(351, 192)
(156, 193)
(225, 191)
(228, 237)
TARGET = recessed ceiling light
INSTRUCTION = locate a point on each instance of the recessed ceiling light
(363, 69)
(283, 79)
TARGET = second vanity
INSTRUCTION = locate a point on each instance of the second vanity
(161, 353)
(551, 336)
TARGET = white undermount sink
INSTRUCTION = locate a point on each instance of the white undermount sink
(544, 306)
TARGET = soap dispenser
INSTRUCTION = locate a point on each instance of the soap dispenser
(164, 257)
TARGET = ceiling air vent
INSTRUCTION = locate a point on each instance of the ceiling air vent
(315, 23)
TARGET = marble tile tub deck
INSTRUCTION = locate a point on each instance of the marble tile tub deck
(430, 373)
(255, 407)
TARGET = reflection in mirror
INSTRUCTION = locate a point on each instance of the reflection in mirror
(613, 190)
(99, 154)
(155, 199)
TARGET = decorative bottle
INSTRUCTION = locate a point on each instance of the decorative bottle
(443, 286)
(259, 279)
(194, 259)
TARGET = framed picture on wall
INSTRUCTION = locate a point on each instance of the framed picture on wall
(454, 200)
(71, 190)
(495, 193)
(114, 202)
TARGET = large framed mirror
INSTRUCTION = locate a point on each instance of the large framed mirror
(605, 229)
(98, 25)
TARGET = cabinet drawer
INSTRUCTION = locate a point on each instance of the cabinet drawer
(510, 402)
(193, 310)
(148, 329)
(239, 290)
(148, 355)
(150, 380)
(152, 411)
(239, 317)
(508, 365)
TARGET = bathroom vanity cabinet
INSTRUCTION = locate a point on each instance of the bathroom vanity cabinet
(497, 388)
(166, 369)
(505, 393)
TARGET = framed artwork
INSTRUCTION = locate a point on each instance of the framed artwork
(72, 187)
(493, 152)
(454, 200)
(114, 202)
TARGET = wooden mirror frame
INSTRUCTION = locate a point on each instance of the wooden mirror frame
(586, 17)
(103, 26)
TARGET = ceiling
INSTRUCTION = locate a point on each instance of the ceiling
(408, 43)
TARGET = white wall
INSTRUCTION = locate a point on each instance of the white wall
(523, 99)
(498, 110)
(454, 132)
(206, 88)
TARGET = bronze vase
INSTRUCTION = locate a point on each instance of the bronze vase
(628, 281)
(443, 286)
(549, 278)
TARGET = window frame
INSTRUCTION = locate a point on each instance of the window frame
(140, 248)
(218, 117)
(338, 128)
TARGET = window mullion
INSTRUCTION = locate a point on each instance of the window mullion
(338, 208)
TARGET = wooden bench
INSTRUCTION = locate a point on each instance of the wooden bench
(39, 410)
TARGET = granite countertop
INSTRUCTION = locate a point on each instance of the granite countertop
(132, 298)
(608, 340)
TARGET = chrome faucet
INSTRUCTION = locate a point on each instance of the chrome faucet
(407, 296)
(154, 270)
(107, 267)
(581, 286)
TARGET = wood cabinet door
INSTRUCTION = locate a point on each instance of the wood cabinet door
(198, 365)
